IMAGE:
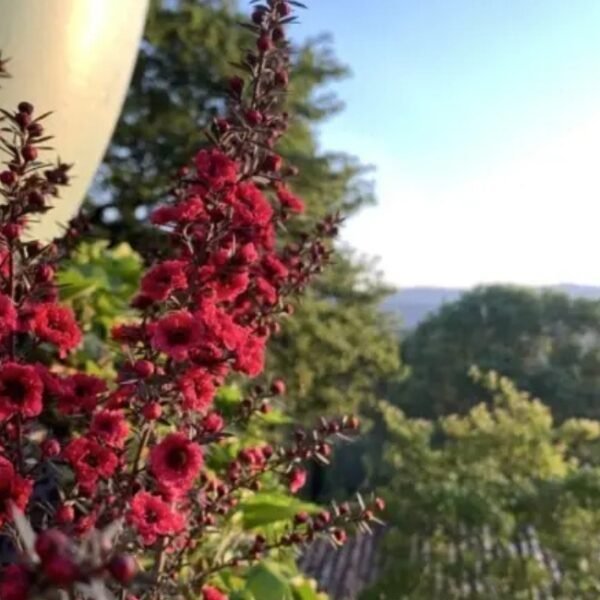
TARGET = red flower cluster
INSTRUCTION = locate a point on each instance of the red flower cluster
(135, 449)
(153, 517)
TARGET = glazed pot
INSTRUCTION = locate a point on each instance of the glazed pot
(73, 57)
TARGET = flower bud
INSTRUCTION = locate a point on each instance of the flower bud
(152, 411)
(7, 178)
(281, 79)
(44, 274)
(253, 117)
(50, 448)
(284, 9)
(272, 163)
(340, 536)
(64, 514)
(143, 368)
(301, 518)
(123, 568)
(29, 153)
(258, 15)
(35, 130)
(25, 107)
(23, 119)
(264, 43)
(213, 423)
(278, 387)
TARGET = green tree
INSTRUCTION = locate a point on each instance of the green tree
(492, 504)
(337, 348)
(548, 343)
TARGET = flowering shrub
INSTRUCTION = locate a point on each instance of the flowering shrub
(110, 484)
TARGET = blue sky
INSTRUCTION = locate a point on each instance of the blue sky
(482, 119)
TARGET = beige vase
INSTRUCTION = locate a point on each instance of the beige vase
(74, 57)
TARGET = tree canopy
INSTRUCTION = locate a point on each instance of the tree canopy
(498, 503)
(547, 342)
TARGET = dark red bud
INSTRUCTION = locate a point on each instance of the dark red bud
(23, 119)
(44, 274)
(152, 411)
(123, 568)
(64, 514)
(273, 163)
(281, 79)
(11, 231)
(143, 368)
(35, 130)
(29, 153)
(25, 107)
(284, 9)
(258, 15)
(50, 448)
(253, 117)
(278, 34)
(8, 178)
(264, 43)
(278, 387)
(222, 125)
(301, 518)
(340, 536)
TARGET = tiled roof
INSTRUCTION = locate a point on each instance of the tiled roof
(343, 572)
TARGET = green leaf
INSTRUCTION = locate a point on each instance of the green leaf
(268, 508)
(267, 583)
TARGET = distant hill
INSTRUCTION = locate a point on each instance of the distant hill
(414, 304)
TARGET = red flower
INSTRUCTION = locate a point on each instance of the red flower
(266, 291)
(21, 391)
(274, 267)
(297, 479)
(213, 423)
(15, 581)
(111, 427)
(90, 460)
(163, 279)
(289, 201)
(251, 207)
(197, 389)
(250, 357)
(153, 517)
(176, 461)
(8, 316)
(80, 393)
(13, 490)
(176, 334)
(215, 168)
(227, 284)
(190, 209)
(212, 593)
(56, 324)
